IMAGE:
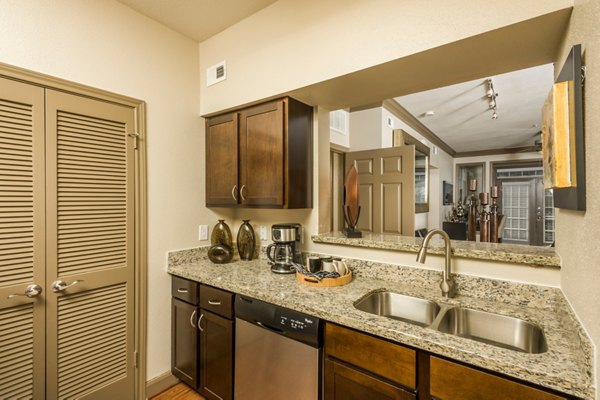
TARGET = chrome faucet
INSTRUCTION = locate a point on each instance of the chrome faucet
(447, 284)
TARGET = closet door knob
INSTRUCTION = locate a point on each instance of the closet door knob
(59, 286)
(30, 291)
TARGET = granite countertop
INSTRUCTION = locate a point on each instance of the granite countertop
(504, 252)
(566, 366)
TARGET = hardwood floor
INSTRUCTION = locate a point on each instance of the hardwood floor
(179, 392)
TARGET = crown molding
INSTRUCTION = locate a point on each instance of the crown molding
(402, 113)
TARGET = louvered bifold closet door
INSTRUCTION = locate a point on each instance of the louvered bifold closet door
(22, 323)
(90, 239)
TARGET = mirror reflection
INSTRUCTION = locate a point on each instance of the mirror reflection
(486, 130)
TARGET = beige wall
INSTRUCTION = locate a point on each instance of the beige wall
(578, 232)
(292, 44)
(104, 44)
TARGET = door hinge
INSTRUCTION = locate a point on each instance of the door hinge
(135, 137)
(136, 359)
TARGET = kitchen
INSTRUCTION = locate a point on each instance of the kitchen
(72, 40)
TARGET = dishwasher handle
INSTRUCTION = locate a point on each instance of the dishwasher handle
(270, 328)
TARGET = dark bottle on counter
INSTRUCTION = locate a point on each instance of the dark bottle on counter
(221, 234)
(246, 241)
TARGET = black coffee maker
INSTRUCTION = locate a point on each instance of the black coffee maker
(285, 249)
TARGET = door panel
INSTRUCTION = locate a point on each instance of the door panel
(386, 180)
(262, 155)
(216, 366)
(22, 246)
(90, 240)
(222, 151)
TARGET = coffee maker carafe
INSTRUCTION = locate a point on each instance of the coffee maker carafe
(285, 249)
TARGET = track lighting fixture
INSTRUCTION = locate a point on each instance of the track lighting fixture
(491, 95)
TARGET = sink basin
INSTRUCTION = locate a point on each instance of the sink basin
(397, 306)
(507, 332)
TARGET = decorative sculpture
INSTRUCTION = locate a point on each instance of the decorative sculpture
(351, 207)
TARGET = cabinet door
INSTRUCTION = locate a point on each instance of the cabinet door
(262, 148)
(22, 242)
(184, 342)
(452, 381)
(345, 383)
(216, 355)
(222, 160)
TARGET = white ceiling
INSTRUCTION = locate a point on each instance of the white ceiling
(198, 19)
(464, 121)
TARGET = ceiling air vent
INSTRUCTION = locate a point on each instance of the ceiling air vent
(216, 73)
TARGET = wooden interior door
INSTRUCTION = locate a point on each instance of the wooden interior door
(22, 254)
(222, 160)
(89, 248)
(262, 158)
(386, 189)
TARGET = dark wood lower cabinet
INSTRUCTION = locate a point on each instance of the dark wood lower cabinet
(360, 366)
(184, 342)
(453, 381)
(216, 356)
(346, 383)
(202, 334)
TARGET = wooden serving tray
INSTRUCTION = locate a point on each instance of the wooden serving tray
(325, 282)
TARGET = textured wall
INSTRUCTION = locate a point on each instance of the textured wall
(578, 232)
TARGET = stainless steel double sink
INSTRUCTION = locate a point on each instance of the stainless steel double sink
(495, 329)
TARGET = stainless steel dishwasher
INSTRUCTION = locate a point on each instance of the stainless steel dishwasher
(277, 352)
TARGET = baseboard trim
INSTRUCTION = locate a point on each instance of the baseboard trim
(159, 384)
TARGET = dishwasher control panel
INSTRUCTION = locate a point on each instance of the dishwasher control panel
(281, 320)
(300, 322)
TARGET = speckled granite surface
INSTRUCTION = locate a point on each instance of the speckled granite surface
(509, 253)
(565, 367)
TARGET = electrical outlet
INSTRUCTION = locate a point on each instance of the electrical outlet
(262, 231)
(203, 232)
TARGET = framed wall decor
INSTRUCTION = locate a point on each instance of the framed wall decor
(572, 197)
(447, 189)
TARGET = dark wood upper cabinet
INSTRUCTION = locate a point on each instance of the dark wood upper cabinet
(222, 160)
(260, 156)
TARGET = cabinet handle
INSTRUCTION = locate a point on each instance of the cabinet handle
(192, 319)
(234, 192)
(242, 192)
(182, 290)
(214, 302)
(199, 321)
